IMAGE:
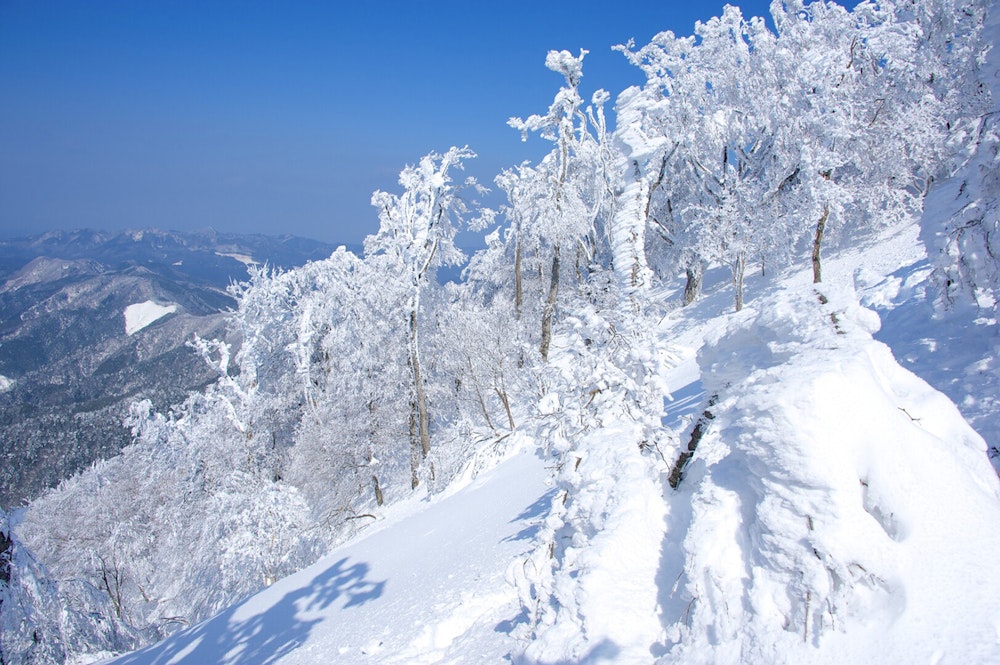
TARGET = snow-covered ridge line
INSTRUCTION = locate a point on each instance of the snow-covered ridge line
(835, 506)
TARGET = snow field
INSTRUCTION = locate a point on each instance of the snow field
(837, 510)
(142, 314)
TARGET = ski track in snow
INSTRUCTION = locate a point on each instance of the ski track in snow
(428, 588)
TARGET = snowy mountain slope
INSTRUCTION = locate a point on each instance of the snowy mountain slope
(423, 587)
(958, 354)
(802, 499)
(204, 257)
(955, 351)
(838, 509)
(954, 280)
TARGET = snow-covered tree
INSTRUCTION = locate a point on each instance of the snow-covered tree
(522, 192)
(744, 145)
(643, 149)
(561, 197)
(145, 528)
(46, 621)
(967, 270)
(348, 444)
(870, 107)
(416, 235)
(482, 355)
(718, 96)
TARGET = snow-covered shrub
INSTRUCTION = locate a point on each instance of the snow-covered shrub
(179, 525)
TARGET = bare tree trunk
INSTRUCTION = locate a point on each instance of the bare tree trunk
(502, 392)
(738, 272)
(817, 243)
(372, 435)
(414, 448)
(6, 557)
(677, 472)
(418, 410)
(692, 288)
(550, 305)
(112, 578)
(517, 277)
(418, 384)
(479, 397)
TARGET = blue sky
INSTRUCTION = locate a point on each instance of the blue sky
(277, 117)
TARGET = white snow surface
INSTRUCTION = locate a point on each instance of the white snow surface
(142, 314)
(245, 259)
(426, 584)
(838, 510)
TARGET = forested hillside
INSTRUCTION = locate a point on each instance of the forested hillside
(802, 504)
(80, 338)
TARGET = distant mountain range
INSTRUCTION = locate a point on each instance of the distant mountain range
(91, 321)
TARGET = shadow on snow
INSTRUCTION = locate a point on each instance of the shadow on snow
(267, 636)
(533, 514)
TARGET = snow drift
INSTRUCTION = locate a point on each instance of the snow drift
(838, 509)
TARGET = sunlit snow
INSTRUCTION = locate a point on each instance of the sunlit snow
(428, 584)
(782, 477)
(242, 258)
(838, 508)
(140, 315)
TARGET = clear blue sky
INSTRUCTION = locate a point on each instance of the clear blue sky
(278, 116)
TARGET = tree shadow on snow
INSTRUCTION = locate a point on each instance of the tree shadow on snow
(269, 635)
(683, 406)
(532, 514)
(604, 651)
(955, 353)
